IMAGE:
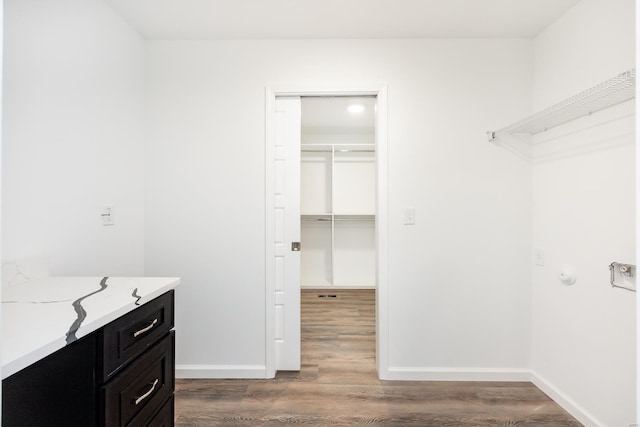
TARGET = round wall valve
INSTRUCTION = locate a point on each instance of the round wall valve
(567, 275)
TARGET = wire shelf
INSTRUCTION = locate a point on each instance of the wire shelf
(617, 90)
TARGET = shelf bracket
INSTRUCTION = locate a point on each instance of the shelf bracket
(625, 276)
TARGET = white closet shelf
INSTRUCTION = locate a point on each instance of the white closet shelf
(338, 217)
(616, 90)
(338, 148)
(368, 216)
(316, 217)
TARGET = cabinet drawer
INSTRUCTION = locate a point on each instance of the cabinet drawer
(164, 417)
(142, 388)
(125, 338)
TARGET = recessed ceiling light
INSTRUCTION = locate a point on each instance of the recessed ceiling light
(356, 108)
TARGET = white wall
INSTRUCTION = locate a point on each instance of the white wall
(459, 280)
(73, 137)
(583, 346)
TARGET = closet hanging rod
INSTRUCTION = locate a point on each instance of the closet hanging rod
(614, 91)
(337, 219)
(338, 151)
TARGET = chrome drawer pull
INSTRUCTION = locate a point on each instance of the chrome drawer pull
(144, 396)
(143, 330)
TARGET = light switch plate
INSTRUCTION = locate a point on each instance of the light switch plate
(107, 215)
(409, 217)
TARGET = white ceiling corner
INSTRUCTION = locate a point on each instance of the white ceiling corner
(301, 19)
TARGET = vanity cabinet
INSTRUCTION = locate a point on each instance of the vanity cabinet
(120, 375)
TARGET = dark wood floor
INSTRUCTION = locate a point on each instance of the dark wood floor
(338, 385)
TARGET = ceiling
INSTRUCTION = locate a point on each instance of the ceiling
(295, 19)
(330, 114)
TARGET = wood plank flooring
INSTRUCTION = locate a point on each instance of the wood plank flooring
(338, 385)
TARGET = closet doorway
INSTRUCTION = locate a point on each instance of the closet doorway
(338, 193)
(337, 231)
(326, 190)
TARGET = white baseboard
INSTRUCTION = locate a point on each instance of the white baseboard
(394, 373)
(222, 371)
(568, 404)
(458, 374)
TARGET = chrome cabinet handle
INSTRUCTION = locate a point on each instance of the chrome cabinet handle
(144, 396)
(143, 330)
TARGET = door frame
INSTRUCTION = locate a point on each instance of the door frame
(382, 220)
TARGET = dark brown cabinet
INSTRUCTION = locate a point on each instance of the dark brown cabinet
(120, 375)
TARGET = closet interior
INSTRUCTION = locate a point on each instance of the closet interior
(338, 192)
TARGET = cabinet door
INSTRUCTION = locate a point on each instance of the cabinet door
(57, 391)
